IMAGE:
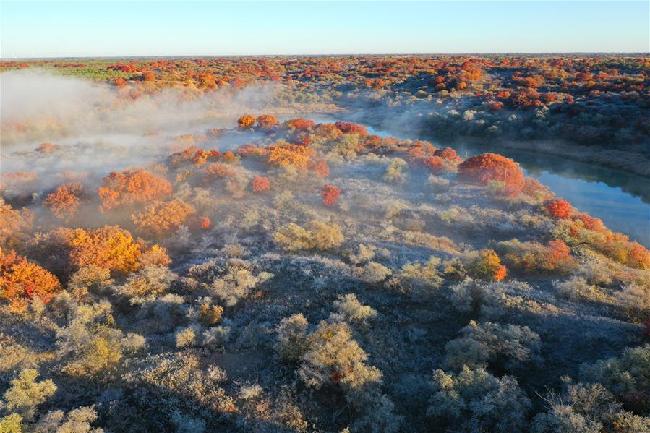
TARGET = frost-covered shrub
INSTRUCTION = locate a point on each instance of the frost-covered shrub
(587, 409)
(215, 336)
(349, 309)
(487, 266)
(418, 277)
(236, 281)
(577, 287)
(147, 284)
(292, 341)
(78, 420)
(635, 298)
(626, 376)
(492, 344)
(186, 337)
(335, 358)
(90, 278)
(364, 254)
(318, 235)
(396, 171)
(25, 394)
(373, 272)
(474, 400)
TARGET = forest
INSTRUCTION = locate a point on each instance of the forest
(235, 244)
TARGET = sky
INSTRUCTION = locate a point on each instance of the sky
(80, 29)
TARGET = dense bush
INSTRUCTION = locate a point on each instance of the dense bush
(132, 187)
(162, 218)
(318, 235)
(491, 167)
(22, 281)
(474, 400)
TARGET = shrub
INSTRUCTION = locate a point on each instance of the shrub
(267, 121)
(291, 342)
(350, 310)
(90, 278)
(330, 194)
(22, 281)
(235, 281)
(162, 218)
(492, 344)
(25, 394)
(299, 124)
(474, 400)
(487, 266)
(560, 209)
(287, 155)
(373, 272)
(419, 278)
(334, 358)
(132, 187)
(13, 225)
(627, 377)
(76, 421)
(246, 121)
(64, 201)
(536, 257)
(396, 171)
(109, 247)
(318, 236)
(148, 283)
(351, 128)
(490, 167)
(260, 184)
(185, 337)
(321, 168)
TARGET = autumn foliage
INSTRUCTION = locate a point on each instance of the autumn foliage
(109, 247)
(161, 218)
(330, 194)
(290, 155)
(300, 124)
(491, 167)
(64, 201)
(22, 280)
(267, 121)
(132, 187)
(246, 121)
(260, 184)
(559, 208)
(487, 266)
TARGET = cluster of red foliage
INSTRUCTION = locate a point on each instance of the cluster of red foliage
(330, 194)
(64, 201)
(559, 208)
(488, 266)
(321, 168)
(132, 187)
(260, 184)
(559, 254)
(491, 167)
(204, 222)
(299, 124)
(351, 128)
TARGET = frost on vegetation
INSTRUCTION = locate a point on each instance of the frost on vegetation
(419, 278)
(147, 284)
(396, 171)
(587, 408)
(373, 272)
(494, 345)
(474, 400)
(350, 310)
(318, 235)
(230, 280)
(78, 420)
(26, 393)
(292, 343)
(626, 376)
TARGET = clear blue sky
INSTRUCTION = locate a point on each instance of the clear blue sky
(58, 29)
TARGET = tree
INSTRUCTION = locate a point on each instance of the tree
(25, 394)
(22, 280)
